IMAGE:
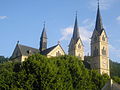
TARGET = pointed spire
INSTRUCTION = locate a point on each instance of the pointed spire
(76, 29)
(99, 25)
(44, 35)
(43, 39)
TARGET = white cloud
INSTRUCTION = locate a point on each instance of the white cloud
(3, 17)
(118, 19)
(85, 33)
(88, 24)
(66, 33)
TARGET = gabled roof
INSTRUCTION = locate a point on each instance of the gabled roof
(45, 52)
(26, 50)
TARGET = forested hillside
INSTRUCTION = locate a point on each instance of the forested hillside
(114, 69)
(41, 73)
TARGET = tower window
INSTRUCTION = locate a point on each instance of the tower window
(103, 51)
(95, 53)
(79, 46)
(103, 38)
(44, 45)
(95, 38)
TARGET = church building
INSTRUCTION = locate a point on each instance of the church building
(76, 46)
(99, 47)
(21, 52)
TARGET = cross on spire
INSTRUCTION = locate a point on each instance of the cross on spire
(44, 24)
(18, 42)
(76, 13)
(98, 3)
(76, 29)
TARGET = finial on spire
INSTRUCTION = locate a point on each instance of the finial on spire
(44, 24)
(76, 29)
(76, 13)
(98, 3)
(58, 42)
(18, 42)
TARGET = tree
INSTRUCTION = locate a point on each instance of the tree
(41, 73)
(3, 59)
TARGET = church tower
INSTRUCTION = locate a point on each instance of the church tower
(76, 45)
(43, 40)
(99, 47)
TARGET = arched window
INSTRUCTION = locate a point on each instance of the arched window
(103, 38)
(58, 53)
(95, 38)
(103, 51)
(79, 46)
(95, 53)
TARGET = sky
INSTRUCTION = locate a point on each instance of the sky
(22, 20)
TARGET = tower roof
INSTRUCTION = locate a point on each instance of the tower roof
(44, 35)
(76, 30)
(99, 25)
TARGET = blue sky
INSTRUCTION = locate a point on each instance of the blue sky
(23, 20)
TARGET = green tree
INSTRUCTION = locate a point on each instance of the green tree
(41, 73)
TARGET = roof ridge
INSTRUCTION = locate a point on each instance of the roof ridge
(27, 46)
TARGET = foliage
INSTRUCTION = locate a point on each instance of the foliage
(114, 68)
(116, 79)
(3, 59)
(41, 73)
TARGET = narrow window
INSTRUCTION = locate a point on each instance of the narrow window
(79, 46)
(103, 38)
(95, 38)
(95, 53)
(103, 51)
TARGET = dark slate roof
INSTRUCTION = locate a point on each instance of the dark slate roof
(99, 25)
(26, 50)
(76, 30)
(76, 35)
(45, 52)
(87, 64)
(44, 35)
